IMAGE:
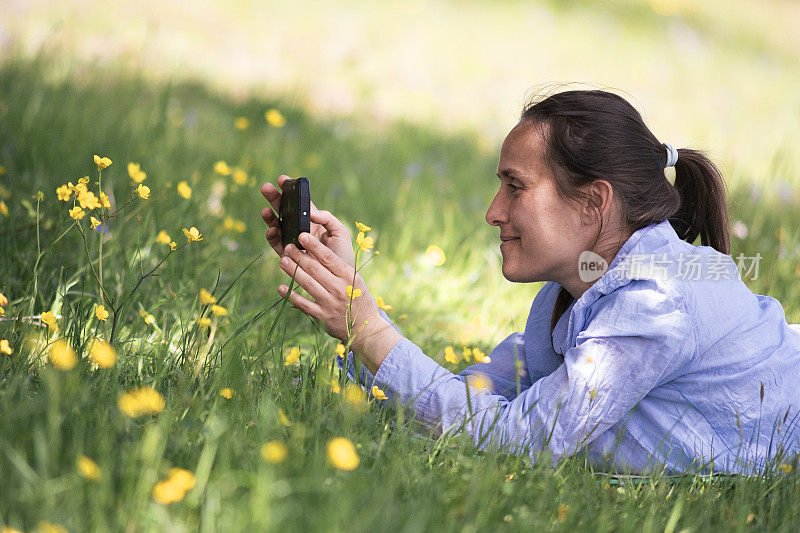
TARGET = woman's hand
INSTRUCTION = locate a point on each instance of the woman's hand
(325, 276)
(324, 226)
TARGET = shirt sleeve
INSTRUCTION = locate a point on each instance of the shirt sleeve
(636, 338)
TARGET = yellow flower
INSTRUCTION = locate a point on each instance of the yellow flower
(222, 168)
(435, 255)
(182, 478)
(3, 208)
(241, 123)
(5, 347)
(226, 393)
(383, 305)
(479, 381)
(378, 393)
(136, 173)
(275, 118)
(219, 310)
(163, 237)
(340, 350)
(206, 297)
(147, 317)
(239, 176)
(173, 245)
(77, 213)
(50, 319)
(184, 190)
(88, 468)
(480, 357)
(204, 322)
(101, 313)
(142, 401)
(46, 527)
(466, 354)
(63, 193)
(3, 299)
(192, 234)
(230, 224)
(450, 355)
(82, 182)
(9, 529)
(787, 468)
(174, 488)
(88, 200)
(94, 222)
(102, 353)
(353, 293)
(355, 395)
(144, 191)
(274, 452)
(362, 227)
(102, 162)
(292, 357)
(365, 243)
(61, 355)
(283, 418)
(2, 312)
(335, 388)
(2, 170)
(342, 454)
(104, 200)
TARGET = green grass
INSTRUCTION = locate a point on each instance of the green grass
(415, 185)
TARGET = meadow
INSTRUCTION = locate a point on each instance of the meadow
(195, 399)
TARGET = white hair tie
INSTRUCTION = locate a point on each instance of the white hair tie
(672, 155)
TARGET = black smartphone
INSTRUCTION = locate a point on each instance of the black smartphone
(295, 210)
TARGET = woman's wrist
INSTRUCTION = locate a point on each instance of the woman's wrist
(374, 341)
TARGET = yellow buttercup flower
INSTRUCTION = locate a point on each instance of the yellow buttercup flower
(136, 173)
(174, 488)
(480, 357)
(204, 322)
(142, 401)
(3, 299)
(206, 297)
(50, 319)
(435, 255)
(3, 208)
(184, 190)
(147, 317)
(466, 354)
(61, 355)
(104, 200)
(355, 395)
(274, 452)
(450, 355)
(342, 454)
(378, 393)
(63, 193)
(283, 418)
(292, 357)
(479, 381)
(88, 468)
(335, 387)
(227, 393)
(101, 313)
(365, 243)
(47, 527)
(241, 123)
(239, 176)
(222, 168)
(5, 347)
(362, 227)
(88, 200)
(102, 353)
(787, 468)
(353, 293)
(163, 237)
(77, 213)
(193, 234)
(219, 310)
(143, 191)
(383, 305)
(93, 222)
(340, 350)
(230, 224)
(182, 478)
(275, 118)
(102, 162)
(173, 245)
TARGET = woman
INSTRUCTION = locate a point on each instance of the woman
(642, 349)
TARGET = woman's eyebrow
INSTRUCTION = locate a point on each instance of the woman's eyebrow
(508, 173)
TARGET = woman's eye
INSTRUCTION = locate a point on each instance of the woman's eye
(513, 188)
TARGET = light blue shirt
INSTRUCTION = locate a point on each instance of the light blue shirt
(669, 360)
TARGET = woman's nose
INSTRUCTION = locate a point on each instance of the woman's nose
(496, 215)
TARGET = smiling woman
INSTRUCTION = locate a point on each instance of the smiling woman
(662, 359)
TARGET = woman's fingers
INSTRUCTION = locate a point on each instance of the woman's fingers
(272, 194)
(326, 257)
(304, 304)
(307, 273)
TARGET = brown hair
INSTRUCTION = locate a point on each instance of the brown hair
(596, 134)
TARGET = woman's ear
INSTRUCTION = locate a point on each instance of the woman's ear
(599, 198)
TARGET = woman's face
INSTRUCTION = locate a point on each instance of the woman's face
(542, 235)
